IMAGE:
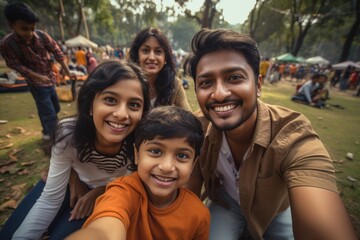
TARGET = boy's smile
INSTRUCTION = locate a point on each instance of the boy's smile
(164, 165)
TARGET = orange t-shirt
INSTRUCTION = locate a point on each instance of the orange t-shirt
(80, 56)
(125, 198)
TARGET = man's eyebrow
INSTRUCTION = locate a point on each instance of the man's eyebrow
(227, 70)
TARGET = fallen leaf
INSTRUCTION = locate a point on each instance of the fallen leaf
(8, 135)
(8, 204)
(8, 167)
(9, 145)
(24, 172)
(12, 154)
(27, 163)
(20, 186)
(14, 170)
(7, 163)
(2, 180)
(18, 130)
(351, 178)
(31, 116)
(18, 191)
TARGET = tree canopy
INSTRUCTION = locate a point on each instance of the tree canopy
(303, 28)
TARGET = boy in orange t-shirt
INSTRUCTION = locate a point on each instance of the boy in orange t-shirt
(152, 202)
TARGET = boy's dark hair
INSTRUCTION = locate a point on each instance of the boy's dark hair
(210, 40)
(20, 11)
(318, 75)
(170, 122)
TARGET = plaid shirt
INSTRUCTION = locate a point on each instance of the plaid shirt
(35, 56)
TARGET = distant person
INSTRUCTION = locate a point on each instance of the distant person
(345, 77)
(91, 62)
(262, 166)
(76, 69)
(80, 56)
(152, 203)
(264, 67)
(97, 144)
(152, 51)
(26, 50)
(312, 91)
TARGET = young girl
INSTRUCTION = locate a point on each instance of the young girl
(97, 144)
(152, 52)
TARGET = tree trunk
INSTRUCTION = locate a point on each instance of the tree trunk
(82, 19)
(60, 17)
(352, 34)
(255, 20)
(205, 20)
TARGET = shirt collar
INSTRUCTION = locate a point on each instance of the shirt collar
(18, 39)
(262, 132)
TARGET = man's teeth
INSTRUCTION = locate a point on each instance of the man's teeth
(224, 108)
(115, 125)
(164, 179)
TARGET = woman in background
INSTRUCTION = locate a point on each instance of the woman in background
(152, 52)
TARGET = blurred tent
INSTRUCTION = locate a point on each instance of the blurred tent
(301, 59)
(80, 41)
(287, 58)
(317, 60)
(344, 65)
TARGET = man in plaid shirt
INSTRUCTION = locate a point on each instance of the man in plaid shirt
(27, 51)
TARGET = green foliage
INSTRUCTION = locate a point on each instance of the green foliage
(183, 30)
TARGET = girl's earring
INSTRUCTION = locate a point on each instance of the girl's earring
(90, 113)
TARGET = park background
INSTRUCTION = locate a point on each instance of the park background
(304, 28)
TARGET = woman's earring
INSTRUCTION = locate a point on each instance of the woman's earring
(90, 113)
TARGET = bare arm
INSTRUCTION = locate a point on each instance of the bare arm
(319, 214)
(105, 228)
(82, 200)
(65, 68)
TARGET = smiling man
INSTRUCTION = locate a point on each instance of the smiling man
(263, 166)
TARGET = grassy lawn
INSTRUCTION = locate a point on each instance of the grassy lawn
(22, 159)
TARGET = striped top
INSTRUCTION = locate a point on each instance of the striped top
(108, 163)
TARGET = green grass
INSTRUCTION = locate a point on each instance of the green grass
(20, 111)
(337, 128)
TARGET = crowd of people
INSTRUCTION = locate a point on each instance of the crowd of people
(135, 162)
(310, 89)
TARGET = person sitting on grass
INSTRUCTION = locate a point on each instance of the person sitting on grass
(151, 203)
(312, 91)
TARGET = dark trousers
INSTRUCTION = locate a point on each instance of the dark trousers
(60, 226)
(48, 106)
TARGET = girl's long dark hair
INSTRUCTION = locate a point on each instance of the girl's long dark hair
(82, 129)
(165, 82)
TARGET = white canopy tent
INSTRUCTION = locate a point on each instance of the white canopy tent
(317, 60)
(80, 41)
(344, 65)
